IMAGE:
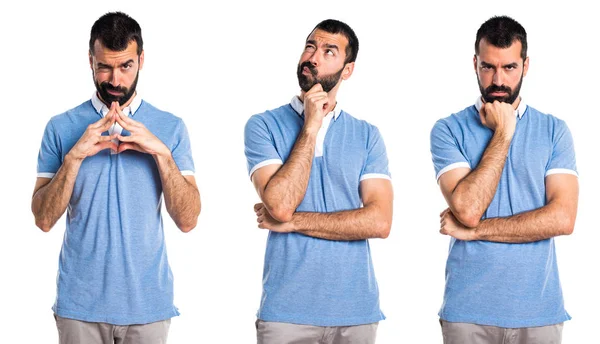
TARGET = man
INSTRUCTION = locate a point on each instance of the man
(109, 160)
(507, 172)
(313, 165)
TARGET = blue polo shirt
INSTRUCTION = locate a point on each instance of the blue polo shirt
(308, 280)
(501, 284)
(113, 265)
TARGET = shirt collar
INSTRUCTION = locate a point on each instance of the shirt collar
(102, 109)
(519, 112)
(298, 106)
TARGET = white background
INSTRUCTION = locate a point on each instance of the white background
(216, 64)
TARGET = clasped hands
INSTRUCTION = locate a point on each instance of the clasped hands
(140, 138)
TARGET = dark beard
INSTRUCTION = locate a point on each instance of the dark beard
(109, 98)
(510, 96)
(328, 82)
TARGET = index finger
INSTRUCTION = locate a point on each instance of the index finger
(104, 122)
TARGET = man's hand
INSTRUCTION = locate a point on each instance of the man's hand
(449, 225)
(315, 103)
(141, 139)
(266, 221)
(92, 141)
(499, 117)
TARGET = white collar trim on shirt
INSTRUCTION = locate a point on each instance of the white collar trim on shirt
(102, 109)
(519, 112)
(298, 106)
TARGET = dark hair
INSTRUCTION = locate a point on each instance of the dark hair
(501, 32)
(335, 26)
(115, 30)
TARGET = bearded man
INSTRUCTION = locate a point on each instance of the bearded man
(110, 161)
(323, 180)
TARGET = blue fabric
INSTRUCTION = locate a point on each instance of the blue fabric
(113, 264)
(500, 284)
(308, 280)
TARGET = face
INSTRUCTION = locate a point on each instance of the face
(322, 61)
(116, 73)
(500, 71)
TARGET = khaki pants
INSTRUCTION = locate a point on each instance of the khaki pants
(72, 331)
(464, 333)
(268, 332)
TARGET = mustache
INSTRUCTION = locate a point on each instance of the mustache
(310, 67)
(495, 88)
(110, 87)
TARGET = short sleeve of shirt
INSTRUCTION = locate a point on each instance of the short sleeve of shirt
(49, 157)
(376, 165)
(445, 152)
(563, 151)
(182, 151)
(259, 145)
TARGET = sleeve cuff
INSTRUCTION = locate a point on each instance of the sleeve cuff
(45, 175)
(374, 176)
(561, 171)
(452, 167)
(265, 163)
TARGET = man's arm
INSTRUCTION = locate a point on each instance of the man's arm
(51, 195)
(182, 198)
(282, 187)
(469, 193)
(557, 217)
(373, 220)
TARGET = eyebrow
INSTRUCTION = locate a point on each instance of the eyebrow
(330, 46)
(103, 65)
(513, 65)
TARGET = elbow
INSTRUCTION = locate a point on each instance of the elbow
(187, 227)
(467, 216)
(186, 223)
(43, 225)
(465, 212)
(567, 225)
(471, 221)
(279, 212)
(384, 228)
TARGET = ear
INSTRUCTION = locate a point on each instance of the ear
(475, 63)
(91, 60)
(141, 60)
(526, 66)
(348, 69)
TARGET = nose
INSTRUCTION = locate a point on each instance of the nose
(499, 76)
(115, 78)
(314, 59)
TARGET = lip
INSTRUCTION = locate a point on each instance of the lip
(306, 71)
(114, 93)
(498, 93)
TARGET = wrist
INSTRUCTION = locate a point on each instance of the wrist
(71, 158)
(162, 156)
(311, 128)
(292, 224)
(506, 134)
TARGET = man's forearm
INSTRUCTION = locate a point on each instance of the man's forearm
(182, 198)
(546, 222)
(358, 224)
(286, 188)
(51, 200)
(474, 193)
